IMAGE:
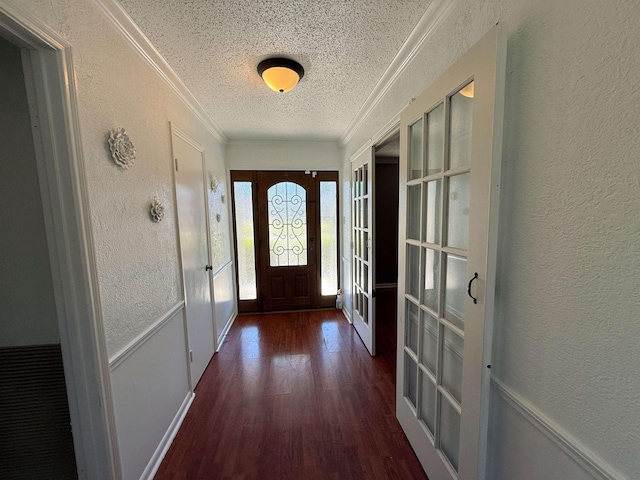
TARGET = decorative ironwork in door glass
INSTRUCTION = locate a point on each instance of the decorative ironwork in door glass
(287, 206)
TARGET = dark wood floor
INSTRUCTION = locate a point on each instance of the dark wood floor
(294, 396)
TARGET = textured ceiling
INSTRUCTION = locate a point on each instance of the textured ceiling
(214, 46)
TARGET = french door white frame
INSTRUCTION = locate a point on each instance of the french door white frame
(363, 247)
(484, 64)
(60, 163)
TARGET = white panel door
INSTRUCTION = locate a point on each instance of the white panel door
(450, 147)
(362, 239)
(192, 223)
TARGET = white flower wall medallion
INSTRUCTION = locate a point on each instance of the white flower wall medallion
(123, 152)
(157, 211)
(213, 183)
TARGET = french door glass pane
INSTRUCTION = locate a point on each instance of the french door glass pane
(413, 270)
(245, 241)
(413, 212)
(428, 402)
(412, 327)
(411, 379)
(287, 207)
(461, 124)
(329, 237)
(449, 431)
(365, 212)
(452, 363)
(365, 245)
(435, 140)
(431, 212)
(431, 278)
(455, 290)
(365, 179)
(365, 277)
(415, 150)
(429, 354)
(458, 217)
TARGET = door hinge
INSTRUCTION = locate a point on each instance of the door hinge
(191, 355)
(176, 162)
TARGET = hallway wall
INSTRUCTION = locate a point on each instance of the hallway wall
(283, 155)
(566, 394)
(139, 275)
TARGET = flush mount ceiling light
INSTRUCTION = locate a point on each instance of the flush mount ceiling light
(280, 74)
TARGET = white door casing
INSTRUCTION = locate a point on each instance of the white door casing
(194, 245)
(450, 155)
(363, 248)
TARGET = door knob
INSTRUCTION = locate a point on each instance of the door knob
(207, 268)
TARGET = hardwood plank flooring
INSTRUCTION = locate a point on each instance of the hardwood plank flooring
(293, 396)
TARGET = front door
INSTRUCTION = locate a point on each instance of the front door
(450, 145)
(287, 225)
(192, 213)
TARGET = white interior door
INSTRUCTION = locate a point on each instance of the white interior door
(192, 223)
(450, 147)
(362, 238)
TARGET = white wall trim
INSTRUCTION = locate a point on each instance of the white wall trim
(223, 335)
(381, 135)
(120, 19)
(578, 453)
(63, 186)
(149, 332)
(167, 439)
(429, 22)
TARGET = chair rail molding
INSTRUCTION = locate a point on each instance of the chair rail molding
(578, 453)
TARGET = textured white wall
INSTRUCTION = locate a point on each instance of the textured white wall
(27, 305)
(137, 259)
(282, 155)
(568, 302)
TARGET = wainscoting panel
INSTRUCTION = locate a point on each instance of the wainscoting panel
(525, 445)
(151, 393)
(223, 288)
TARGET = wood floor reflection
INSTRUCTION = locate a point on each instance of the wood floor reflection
(293, 396)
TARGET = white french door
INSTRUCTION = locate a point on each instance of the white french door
(362, 238)
(450, 147)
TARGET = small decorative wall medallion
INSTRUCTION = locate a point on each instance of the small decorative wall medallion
(157, 211)
(122, 149)
(213, 183)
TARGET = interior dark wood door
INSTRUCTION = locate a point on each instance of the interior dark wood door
(287, 227)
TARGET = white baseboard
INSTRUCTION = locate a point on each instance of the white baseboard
(162, 449)
(223, 335)
(348, 315)
(577, 453)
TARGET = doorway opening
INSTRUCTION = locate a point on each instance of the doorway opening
(387, 158)
(286, 234)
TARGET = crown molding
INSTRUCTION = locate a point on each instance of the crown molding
(430, 21)
(120, 19)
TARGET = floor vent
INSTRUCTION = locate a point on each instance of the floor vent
(35, 430)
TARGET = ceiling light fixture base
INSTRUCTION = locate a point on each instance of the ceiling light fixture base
(280, 74)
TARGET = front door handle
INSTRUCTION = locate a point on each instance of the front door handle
(208, 267)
